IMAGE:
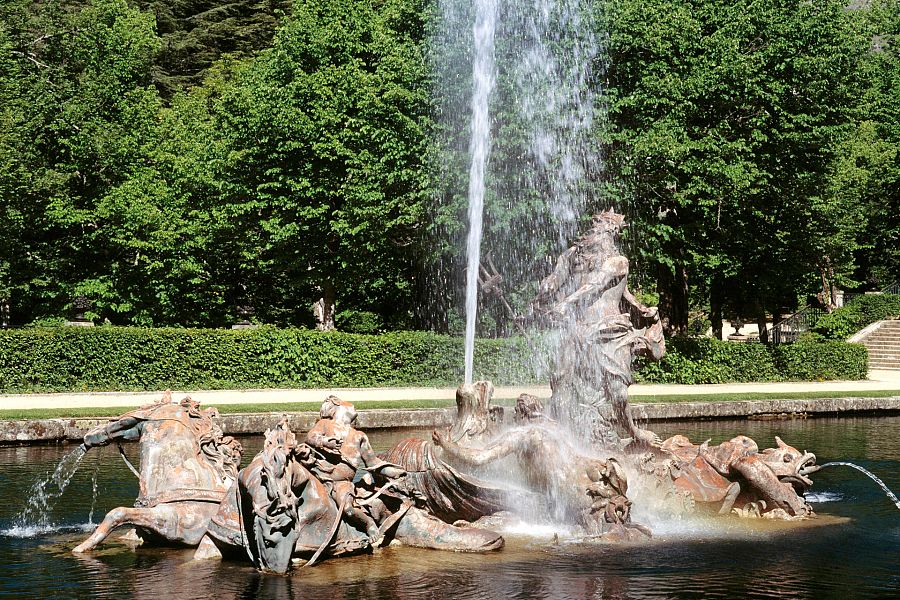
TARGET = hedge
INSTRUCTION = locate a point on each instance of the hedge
(857, 314)
(707, 360)
(130, 358)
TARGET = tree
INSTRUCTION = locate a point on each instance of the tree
(319, 187)
(196, 33)
(725, 119)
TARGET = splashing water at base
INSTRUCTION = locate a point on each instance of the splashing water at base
(822, 497)
(865, 471)
(34, 518)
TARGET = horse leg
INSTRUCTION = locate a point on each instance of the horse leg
(730, 496)
(117, 517)
(207, 549)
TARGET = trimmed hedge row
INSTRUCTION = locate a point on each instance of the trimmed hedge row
(707, 360)
(857, 314)
(130, 358)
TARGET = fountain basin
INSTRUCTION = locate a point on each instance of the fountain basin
(850, 548)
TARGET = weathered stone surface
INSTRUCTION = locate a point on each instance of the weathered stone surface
(61, 430)
(186, 467)
(747, 408)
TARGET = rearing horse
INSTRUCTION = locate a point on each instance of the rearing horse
(187, 465)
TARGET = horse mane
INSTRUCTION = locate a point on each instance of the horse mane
(223, 452)
(276, 455)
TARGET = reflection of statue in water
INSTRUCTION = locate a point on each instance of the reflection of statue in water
(602, 328)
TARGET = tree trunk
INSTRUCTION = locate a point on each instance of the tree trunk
(673, 299)
(716, 294)
(761, 322)
(325, 307)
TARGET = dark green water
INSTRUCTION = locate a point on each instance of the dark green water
(853, 551)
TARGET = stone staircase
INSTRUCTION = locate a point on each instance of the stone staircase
(883, 344)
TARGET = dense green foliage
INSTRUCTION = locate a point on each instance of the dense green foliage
(131, 358)
(755, 141)
(705, 360)
(857, 314)
(290, 176)
(174, 159)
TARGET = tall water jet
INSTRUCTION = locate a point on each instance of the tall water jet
(515, 81)
(484, 77)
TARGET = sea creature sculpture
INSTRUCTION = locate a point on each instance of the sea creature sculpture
(585, 490)
(736, 477)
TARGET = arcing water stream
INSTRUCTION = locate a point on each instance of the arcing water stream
(865, 471)
(34, 516)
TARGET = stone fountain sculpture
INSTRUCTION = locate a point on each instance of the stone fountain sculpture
(330, 495)
(186, 468)
(326, 496)
(576, 454)
(602, 327)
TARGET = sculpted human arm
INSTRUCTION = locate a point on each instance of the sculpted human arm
(321, 438)
(510, 443)
(374, 463)
(554, 282)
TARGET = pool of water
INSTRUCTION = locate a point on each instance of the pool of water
(852, 550)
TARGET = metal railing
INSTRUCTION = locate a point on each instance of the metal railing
(790, 329)
(893, 289)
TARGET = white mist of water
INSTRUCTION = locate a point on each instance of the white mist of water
(517, 92)
(484, 77)
(34, 518)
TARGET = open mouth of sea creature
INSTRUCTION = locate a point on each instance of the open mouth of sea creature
(800, 480)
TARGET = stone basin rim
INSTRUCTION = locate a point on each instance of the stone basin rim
(71, 429)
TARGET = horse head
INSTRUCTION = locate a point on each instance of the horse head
(174, 433)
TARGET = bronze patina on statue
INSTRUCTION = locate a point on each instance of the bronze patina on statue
(327, 494)
(295, 503)
(578, 454)
(601, 328)
(186, 468)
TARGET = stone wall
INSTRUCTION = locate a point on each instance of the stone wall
(72, 430)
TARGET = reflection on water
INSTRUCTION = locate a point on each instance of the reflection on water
(853, 550)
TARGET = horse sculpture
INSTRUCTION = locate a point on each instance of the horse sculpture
(186, 466)
(289, 503)
(328, 496)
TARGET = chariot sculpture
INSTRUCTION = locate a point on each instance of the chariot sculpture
(327, 494)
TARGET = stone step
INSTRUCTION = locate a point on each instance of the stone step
(884, 364)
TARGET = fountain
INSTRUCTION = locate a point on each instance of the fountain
(329, 495)
(580, 465)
